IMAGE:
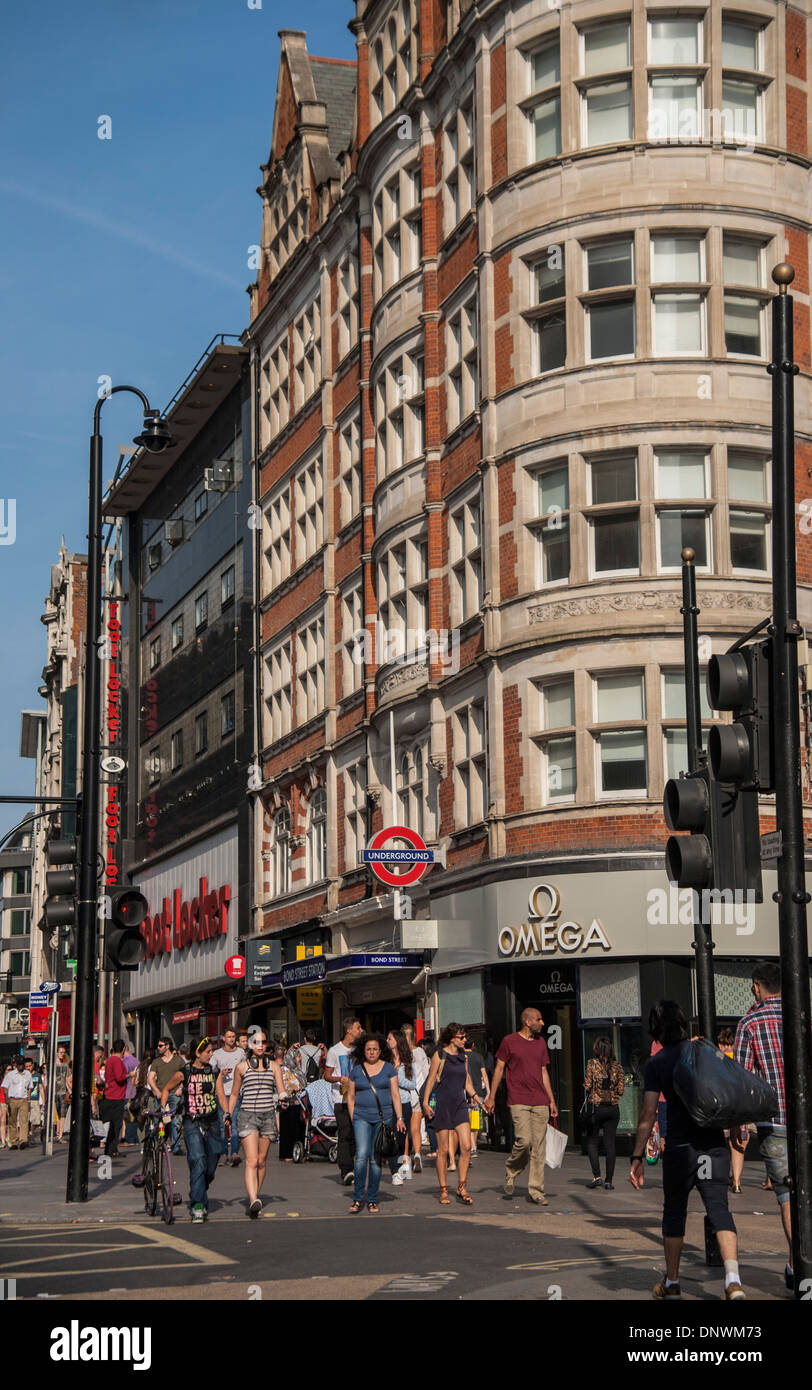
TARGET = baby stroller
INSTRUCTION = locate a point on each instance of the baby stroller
(321, 1129)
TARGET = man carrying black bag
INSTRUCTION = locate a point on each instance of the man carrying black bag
(693, 1157)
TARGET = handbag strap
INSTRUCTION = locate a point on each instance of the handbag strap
(374, 1092)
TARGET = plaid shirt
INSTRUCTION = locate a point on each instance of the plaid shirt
(759, 1047)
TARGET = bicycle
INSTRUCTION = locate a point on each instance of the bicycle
(156, 1170)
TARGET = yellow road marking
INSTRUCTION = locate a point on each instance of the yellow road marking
(597, 1259)
(198, 1253)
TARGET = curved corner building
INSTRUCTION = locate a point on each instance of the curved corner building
(509, 337)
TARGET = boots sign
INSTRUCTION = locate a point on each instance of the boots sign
(543, 934)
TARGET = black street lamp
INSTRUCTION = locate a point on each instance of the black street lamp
(155, 437)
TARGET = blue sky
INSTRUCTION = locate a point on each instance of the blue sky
(121, 256)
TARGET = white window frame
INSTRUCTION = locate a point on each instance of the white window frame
(459, 162)
(541, 523)
(310, 670)
(352, 621)
(278, 697)
(462, 362)
(308, 508)
(465, 552)
(751, 507)
(316, 837)
(470, 764)
(411, 789)
(350, 472)
(348, 300)
(637, 726)
(555, 733)
(306, 354)
(281, 853)
(402, 589)
(355, 795)
(277, 537)
(275, 388)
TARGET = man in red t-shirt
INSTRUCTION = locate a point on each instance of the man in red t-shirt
(524, 1060)
(115, 1092)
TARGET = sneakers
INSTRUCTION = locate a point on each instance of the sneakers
(255, 1208)
(398, 1179)
(662, 1291)
(405, 1169)
(417, 1164)
(348, 1178)
(473, 1155)
(734, 1291)
(198, 1213)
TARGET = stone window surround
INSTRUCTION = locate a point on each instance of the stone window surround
(583, 665)
(310, 667)
(350, 470)
(459, 161)
(347, 302)
(316, 836)
(306, 366)
(462, 363)
(274, 383)
(412, 594)
(578, 297)
(308, 505)
(397, 389)
(397, 224)
(392, 66)
(276, 537)
(277, 691)
(355, 802)
(648, 504)
(539, 30)
(465, 560)
(470, 762)
(352, 620)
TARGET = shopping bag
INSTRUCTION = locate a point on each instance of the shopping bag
(98, 1130)
(556, 1144)
(717, 1092)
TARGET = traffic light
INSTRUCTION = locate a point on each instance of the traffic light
(123, 942)
(743, 752)
(689, 804)
(718, 855)
(61, 883)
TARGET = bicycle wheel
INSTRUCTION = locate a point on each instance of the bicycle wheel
(150, 1171)
(167, 1186)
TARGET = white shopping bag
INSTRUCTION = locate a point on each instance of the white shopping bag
(556, 1146)
(98, 1130)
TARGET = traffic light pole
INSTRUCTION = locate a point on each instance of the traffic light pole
(703, 945)
(154, 438)
(792, 896)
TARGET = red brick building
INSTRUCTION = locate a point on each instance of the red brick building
(509, 336)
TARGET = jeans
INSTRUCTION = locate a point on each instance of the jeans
(235, 1138)
(346, 1139)
(112, 1111)
(606, 1118)
(365, 1131)
(530, 1145)
(202, 1155)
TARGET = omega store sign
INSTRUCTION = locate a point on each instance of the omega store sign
(558, 918)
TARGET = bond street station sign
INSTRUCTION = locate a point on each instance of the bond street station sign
(545, 934)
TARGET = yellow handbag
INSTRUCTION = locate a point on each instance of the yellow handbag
(475, 1117)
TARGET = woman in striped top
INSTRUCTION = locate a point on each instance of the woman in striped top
(258, 1084)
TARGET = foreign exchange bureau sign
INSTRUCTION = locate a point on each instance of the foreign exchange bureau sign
(544, 934)
(304, 972)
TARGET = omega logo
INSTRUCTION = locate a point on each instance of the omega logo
(543, 934)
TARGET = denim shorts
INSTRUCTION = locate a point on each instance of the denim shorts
(773, 1149)
(261, 1122)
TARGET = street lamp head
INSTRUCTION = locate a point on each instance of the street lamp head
(155, 436)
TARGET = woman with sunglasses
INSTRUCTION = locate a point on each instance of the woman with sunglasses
(447, 1086)
(201, 1124)
(258, 1084)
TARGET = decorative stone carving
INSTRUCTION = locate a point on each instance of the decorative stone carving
(650, 600)
(374, 794)
(437, 761)
(402, 674)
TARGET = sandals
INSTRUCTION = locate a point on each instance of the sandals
(462, 1196)
(373, 1207)
(445, 1200)
(355, 1208)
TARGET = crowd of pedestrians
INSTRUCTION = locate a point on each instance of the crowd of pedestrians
(375, 1102)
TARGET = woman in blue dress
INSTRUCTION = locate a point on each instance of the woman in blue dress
(447, 1085)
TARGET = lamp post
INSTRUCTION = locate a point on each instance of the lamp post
(155, 437)
(791, 896)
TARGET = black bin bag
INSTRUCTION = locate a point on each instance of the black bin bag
(717, 1092)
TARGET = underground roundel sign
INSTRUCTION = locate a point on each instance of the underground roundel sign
(415, 858)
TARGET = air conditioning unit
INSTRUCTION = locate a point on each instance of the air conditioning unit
(154, 556)
(173, 530)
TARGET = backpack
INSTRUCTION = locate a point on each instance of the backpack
(311, 1071)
